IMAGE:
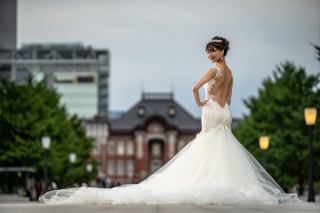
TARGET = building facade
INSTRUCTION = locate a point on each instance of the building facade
(98, 128)
(8, 24)
(79, 74)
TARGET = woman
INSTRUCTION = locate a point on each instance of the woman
(214, 168)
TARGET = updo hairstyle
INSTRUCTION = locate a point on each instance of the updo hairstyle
(224, 45)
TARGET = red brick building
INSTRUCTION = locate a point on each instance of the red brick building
(144, 138)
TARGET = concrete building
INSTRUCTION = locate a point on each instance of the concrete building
(80, 74)
(8, 24)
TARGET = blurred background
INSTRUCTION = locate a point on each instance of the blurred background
(98, 93)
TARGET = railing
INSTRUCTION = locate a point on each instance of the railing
(157, 96)
(53, 54)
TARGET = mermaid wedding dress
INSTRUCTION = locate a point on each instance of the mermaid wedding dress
(214, 168)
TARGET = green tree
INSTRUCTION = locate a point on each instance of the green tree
(30, 111)
(278, 112)
(318, 50)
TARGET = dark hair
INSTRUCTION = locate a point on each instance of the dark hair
(224, 45)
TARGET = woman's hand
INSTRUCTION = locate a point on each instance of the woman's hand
(203, 103)
(209, 75)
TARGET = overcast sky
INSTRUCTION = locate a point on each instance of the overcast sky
(161, 44)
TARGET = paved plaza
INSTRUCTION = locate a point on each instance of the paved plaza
(16, 204)
(36, 207)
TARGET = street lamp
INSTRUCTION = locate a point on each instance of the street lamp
(89, 168)
(45, 140)
(264, 144)
(72, 158)
(310, 115)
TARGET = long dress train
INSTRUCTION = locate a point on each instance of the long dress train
(214, 168)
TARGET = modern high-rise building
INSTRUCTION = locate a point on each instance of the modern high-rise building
(79, 74)
(8, 24)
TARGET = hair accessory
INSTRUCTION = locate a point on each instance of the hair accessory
(214, 40)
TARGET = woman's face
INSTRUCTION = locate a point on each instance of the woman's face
(214, 55)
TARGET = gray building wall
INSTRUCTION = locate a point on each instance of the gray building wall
(8, 24)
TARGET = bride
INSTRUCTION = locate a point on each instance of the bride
(214, 168)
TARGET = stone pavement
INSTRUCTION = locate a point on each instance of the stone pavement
(36, 207)
(15, 204)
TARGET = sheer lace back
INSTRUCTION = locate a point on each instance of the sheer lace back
(216, 112)
(219, 88)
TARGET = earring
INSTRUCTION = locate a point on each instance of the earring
(221, 56)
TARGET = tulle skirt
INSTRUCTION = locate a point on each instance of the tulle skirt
(214, 168)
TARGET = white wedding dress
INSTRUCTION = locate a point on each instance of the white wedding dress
(214, 168)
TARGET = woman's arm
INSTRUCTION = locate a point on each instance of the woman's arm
(209, 75)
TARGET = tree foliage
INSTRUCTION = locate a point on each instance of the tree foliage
(318, 51)
(31, 111)
(278, 112)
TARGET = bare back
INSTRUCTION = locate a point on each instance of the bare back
(219, 88)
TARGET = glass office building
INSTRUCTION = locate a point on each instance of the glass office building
(79, 74)
(79, 92)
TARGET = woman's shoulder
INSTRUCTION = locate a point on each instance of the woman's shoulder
(214, 70)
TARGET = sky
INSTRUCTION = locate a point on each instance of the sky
(159, 46)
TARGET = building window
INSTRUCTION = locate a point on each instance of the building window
(111, 148)
(172, 111)
(181, 144)
(120, 150)
(120, 168)
(96, 149)
(93, 129)
(155, 165)
(102, 58)
(156, 128)
(85, 79)
(141, 111)
(156, 149)
(130, 168)
(140, 145)
(130, 148)
(110, 167)
(88, 130)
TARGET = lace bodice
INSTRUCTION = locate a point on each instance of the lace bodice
(213, 115)
(209, 84)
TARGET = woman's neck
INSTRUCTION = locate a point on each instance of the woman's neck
(221, 63)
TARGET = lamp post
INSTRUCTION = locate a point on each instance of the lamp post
(264, 144)
(45, 140)
(89, 168)
(72, 158)
(310, 115)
